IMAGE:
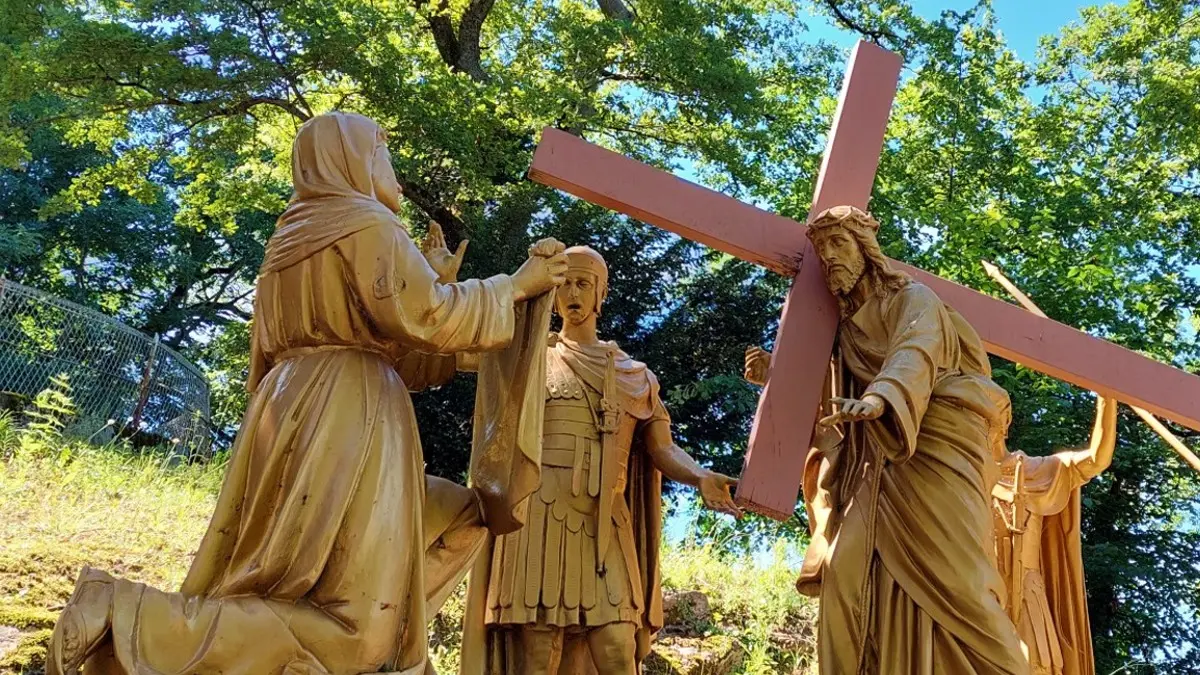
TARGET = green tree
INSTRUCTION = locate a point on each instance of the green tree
(191, 106)
(124, 252)
(148, 145)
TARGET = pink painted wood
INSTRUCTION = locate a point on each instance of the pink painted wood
(771, 478)
(651, 195)
(788, 408)
(1008, 331)
(1069, 354)
(790, 403)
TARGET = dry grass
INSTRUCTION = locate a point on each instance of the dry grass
(67, 504)
(64, 504)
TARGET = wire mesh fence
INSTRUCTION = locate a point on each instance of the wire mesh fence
(116, 373)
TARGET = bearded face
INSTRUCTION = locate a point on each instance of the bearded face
(841, 258)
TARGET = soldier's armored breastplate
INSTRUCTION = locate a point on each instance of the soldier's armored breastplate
(565, 567)
(571, 450)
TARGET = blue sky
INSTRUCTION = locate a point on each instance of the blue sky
(1022, 22)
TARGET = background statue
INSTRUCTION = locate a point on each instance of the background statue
(315, 560)
(1038, 545)
(902, 547)
(578, 587)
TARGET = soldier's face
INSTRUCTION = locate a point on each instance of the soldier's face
(841, 258)
(576, 299)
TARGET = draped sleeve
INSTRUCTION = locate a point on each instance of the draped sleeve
(656, 411)
(1049, 482)
(920, 347)
(400, 295)
(421, 371)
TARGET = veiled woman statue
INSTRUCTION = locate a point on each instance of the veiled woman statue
(316, 558)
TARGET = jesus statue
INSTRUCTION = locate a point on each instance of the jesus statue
(900, 507)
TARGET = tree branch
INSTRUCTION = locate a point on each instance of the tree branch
(627, 77)
(452, 225)
(616, 10)
(459, 49)
(283, 70)
(848, 22)
(470, 27)
(443, 31)
(241, 107)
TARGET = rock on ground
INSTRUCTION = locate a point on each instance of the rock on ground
(686, 613)
(712, 655)
(10, 637)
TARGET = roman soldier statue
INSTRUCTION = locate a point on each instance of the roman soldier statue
(577, 587)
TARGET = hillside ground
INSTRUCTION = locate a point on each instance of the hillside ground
(70, 503)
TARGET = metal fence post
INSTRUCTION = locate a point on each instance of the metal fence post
(144, 388)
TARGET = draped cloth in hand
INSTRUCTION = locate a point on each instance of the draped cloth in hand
(506, 443)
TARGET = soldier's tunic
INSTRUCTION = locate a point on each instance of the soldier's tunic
(547, 572)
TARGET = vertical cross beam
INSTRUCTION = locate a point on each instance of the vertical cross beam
(787, 411)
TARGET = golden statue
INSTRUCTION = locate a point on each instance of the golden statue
(902, 550)
(329, 547)
(1038, 547)
(578, 587)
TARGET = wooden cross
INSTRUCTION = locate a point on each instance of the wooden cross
(788, 408)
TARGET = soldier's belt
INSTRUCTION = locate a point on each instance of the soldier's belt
(582, 428)
(558, 457)
(581, 455)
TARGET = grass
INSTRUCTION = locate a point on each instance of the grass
(754, 601)
(68, 503)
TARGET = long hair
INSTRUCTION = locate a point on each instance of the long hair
(884, 280)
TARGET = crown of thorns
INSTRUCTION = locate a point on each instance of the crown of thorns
(844, 216)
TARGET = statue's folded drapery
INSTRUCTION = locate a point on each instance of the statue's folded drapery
(314, 554)
(902, 511)
(1053, 621)
(329, 545)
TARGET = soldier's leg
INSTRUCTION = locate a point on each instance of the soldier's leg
(576, 659)
(613, 649)
(539, 649)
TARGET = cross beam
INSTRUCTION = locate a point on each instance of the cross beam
(788, 408)
(783, 425)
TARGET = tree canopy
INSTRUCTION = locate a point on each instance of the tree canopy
(145, 143)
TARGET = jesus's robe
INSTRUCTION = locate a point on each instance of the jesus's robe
(901, 510)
